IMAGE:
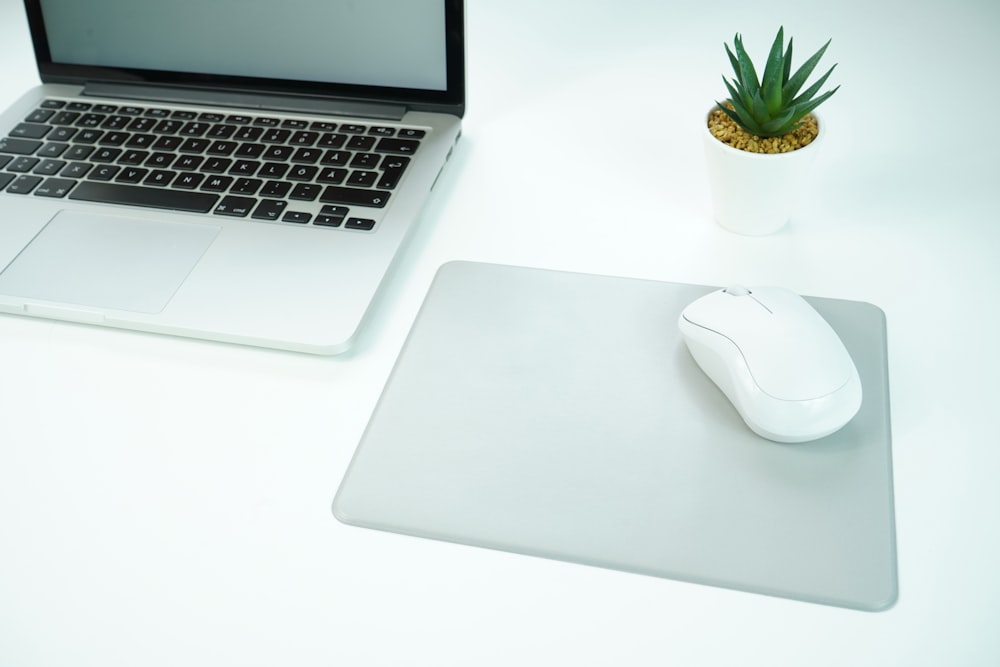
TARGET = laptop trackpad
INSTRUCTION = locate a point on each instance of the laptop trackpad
(107, 261)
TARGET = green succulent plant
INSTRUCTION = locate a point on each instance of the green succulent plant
(773, 105)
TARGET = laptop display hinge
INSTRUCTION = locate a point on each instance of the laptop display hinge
(257, 101)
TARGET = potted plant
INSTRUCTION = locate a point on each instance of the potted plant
(761, 141)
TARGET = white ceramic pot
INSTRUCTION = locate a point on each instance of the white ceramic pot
(755, 193)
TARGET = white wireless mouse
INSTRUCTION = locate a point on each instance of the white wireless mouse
(778, 361)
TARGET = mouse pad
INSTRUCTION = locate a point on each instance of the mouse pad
(561, 415)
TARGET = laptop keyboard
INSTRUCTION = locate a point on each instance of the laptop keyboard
(259, 167)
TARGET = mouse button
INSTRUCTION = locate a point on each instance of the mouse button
(798, 361)
(725, 314)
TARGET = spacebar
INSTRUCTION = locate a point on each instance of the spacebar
(135, 195)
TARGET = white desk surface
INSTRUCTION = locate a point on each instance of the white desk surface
(167, 501)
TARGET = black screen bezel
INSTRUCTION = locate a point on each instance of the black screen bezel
(450, 100)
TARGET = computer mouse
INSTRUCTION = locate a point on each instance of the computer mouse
(777, 360)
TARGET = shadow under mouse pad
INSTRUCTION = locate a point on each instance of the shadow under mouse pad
(561, 415)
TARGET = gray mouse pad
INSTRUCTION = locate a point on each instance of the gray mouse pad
(561, 415)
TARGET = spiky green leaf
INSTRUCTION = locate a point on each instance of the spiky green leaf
(747, 73)
(771, 82)
(796, 81)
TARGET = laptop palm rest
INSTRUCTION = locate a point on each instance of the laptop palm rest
(107, 261)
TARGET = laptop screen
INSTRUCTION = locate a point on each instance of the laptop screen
(388, 44)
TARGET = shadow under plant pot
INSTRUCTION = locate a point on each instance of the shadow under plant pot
(755, 193)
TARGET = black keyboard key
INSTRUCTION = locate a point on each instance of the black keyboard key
(269, 209)
(159, 178)
(5, 180)
(116, 122)
(306, 155)
(250, 151)
(167, 143)
(335, 158)
(5, 160)
(398, 146)
(365, 160)
(52, 150)
(19, 146)
(362, 179)
(238, 207)
(131, 175)
(54, 187)
(296, 216)
(65, 118)
(217, 183)
(189, 181)
(136, 195)
(22, 165)
(275, 136)
(216, 165)
(195, 146)
(277, 153)
(49, 167)
(23, 185)
(91, 120)
(277, 189)
(114, 139)
(382, 131)
(246, 186)
(143, 125)
(244, 168)
(222, 148)
(76, 170)
(334, 194)
(106, 154)
(62, 134)
(301, 172)
(188, 162)
(141, 141)
(363, 224)
(305, 192)
(361, 143)
(78, 106)
(167, 127)
(393, 167)
(53, 104)
(406, 133)
(104, 172)
(160, 160)
(304, 138)
(133, 158)
(88, 136)
(333, 141)
(332, 176)
(221, 131)
(194, 129)
(30, 131)
(273, 170)
(78, 152)
(325, 220)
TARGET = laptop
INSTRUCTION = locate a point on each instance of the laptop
(234, 170)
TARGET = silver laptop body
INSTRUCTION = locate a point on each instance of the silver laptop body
(234, 171)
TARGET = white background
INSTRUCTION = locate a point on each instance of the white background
(167, 502)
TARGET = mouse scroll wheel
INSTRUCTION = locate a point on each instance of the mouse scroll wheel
(737, 290)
